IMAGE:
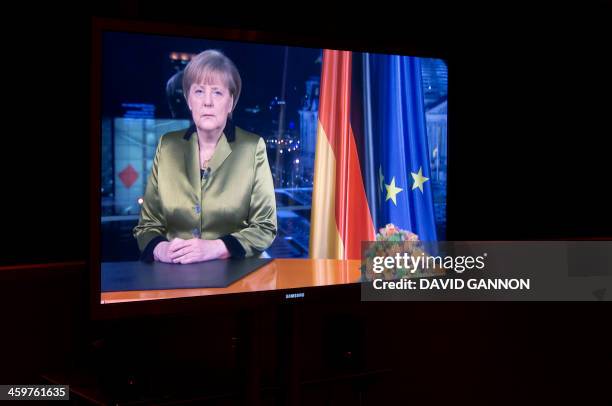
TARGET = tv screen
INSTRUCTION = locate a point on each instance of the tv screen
(228, 165)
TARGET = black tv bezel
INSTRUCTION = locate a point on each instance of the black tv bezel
(202, 305)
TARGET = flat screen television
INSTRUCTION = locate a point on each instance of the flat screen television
(355, 138)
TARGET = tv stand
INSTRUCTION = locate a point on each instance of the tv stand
(254, 356)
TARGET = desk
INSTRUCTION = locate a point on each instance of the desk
(278, 274)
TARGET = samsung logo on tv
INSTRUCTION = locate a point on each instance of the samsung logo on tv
(294, 295)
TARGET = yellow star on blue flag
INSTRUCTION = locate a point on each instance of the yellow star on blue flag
(419, 179)
(392, 191)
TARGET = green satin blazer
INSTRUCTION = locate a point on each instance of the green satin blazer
(236, 202)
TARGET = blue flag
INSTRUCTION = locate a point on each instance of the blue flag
(396, 152)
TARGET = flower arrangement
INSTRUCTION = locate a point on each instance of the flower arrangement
(391, 233)
(390, 241)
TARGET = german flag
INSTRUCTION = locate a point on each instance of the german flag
(340, 218)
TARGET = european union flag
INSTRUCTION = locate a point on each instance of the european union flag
(396, 152)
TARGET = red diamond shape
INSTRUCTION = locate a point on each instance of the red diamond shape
(128, 176)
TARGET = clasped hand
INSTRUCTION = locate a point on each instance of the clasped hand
(179, 251)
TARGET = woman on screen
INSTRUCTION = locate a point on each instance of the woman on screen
(210, 193)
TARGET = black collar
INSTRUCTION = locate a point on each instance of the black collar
(229, 130)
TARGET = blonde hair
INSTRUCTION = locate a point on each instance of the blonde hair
(208, 66)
